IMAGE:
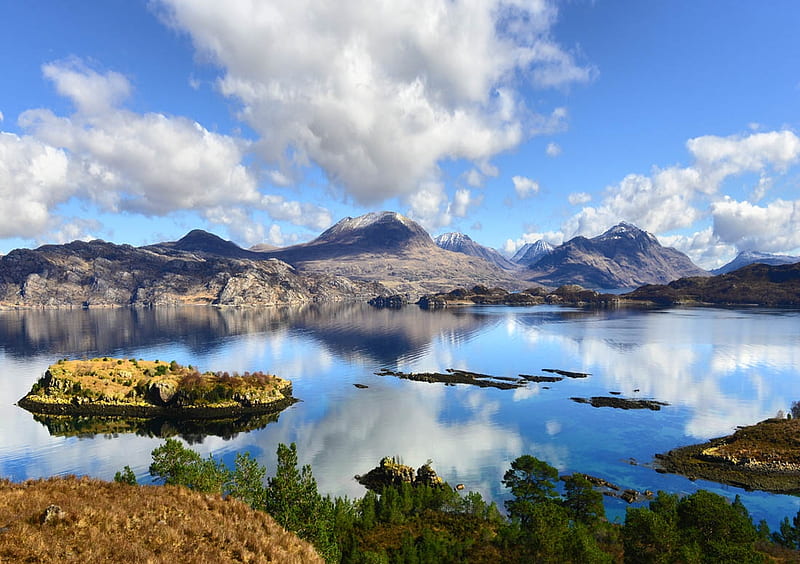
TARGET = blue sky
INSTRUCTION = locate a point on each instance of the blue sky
(510, 121)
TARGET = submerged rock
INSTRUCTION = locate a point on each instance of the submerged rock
(621, 403)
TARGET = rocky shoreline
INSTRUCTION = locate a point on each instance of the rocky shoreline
(119, 409)
(764, 456)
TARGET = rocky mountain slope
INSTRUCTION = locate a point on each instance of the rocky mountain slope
(622, 257)
(461, 243)
(97, 273)
(393, 250)
(749, 257)
(530, 253)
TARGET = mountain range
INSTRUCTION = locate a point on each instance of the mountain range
(375, 254)
(393, 249)
(460, 243)
(530, 253)
(622, 257)
(750, 257)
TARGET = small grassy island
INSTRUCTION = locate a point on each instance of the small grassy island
(764, 456)
(144, 388)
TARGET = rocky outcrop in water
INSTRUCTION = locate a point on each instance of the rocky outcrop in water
(482, 295)
(391, 472)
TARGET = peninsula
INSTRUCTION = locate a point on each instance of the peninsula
(764, 456)
(153, 388)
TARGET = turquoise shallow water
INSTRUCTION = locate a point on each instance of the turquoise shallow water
(716, 368)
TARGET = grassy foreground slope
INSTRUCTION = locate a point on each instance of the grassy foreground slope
(114, 522)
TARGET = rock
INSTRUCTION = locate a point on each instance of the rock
(427, 476)
(395, 301)
(390, 472)
(621, 403)
(52, 515)
(162, 393)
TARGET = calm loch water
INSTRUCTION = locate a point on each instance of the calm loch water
(716, 368)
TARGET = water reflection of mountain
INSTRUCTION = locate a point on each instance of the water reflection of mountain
(388, 335)
(192, 431)
(346, 329)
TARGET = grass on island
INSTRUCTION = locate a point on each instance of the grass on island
(132, 381)
(774, 440)
(112, 522)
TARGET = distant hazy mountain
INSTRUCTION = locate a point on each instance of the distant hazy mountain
(263, 248)
(205, 243)
(392, 249)
(461, 243)
(622, 257)
(530, 253)
(749, 257)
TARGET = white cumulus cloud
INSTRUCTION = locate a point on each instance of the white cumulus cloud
(678, 197)
(119, 160)
(377, 94)
(525, 187)
(34, 178)
(553, 149)
(579, 198)
(749, 227)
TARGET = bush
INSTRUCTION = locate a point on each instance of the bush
(125, 476)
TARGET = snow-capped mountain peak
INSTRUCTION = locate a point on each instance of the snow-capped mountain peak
(530, 253)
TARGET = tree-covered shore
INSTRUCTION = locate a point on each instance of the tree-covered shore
(547, 518)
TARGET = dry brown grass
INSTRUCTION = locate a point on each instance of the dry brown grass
(111, 522)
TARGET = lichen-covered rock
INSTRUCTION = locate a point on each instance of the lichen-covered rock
(162, 392)
(53, 514)
(390, 472)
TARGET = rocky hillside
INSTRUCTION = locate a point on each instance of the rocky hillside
(461, 243)
(389, 248)
(101, 274)
(756, 284)
(622, 257)
(749, 257)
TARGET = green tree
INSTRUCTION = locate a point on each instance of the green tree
(247, 481)
(584, 503)
(788, 533)
(531, 482)
(175, 464)
(649, 536)
(125, 476)
(719, 530)
(293, 501)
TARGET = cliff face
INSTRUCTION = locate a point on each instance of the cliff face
(101, 274)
